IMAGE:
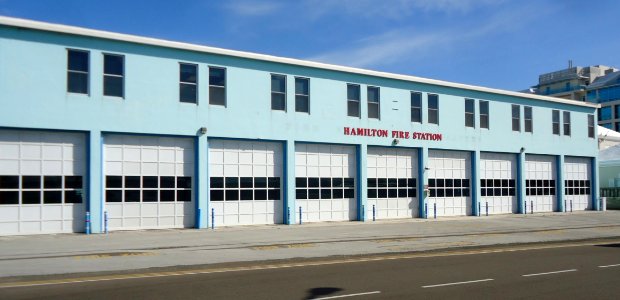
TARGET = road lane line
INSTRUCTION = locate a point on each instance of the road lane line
(456, 283)
(349, 295)
(609, 266)
(547, 273)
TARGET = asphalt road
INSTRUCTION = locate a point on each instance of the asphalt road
(571, 272)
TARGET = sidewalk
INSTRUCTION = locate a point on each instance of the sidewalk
(121, 251)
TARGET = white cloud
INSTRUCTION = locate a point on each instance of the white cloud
(407, 44)
(252, 8)
(393, 9)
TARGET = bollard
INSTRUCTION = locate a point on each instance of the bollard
(532, 207)
(565, 206)
(288, 215)
(87, 222)
(487, 208)
(212, 218)
(479, 209)
(105, 222)
(435, 210)
(571, 205)
(300, 215)
(425, 210)
(373, 213)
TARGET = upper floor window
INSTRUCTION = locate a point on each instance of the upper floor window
(217, 86)
(484, 114)
(516, 117)
(433, 109)
(302, 95)
(555, 121)
(527, 117)
(470, 113)
(591, 126)
(373, 102)
(188, 83)
(113, 75)
(416, 107)
(566, 119)
(278, 92)
(77, 71)
(353, 100)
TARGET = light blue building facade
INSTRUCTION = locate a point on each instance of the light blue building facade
(145, 133)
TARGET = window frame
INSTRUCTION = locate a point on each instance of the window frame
(591, 122)
(213, 86)
(357, 101)
(376, 103)
(527, 120)
(278, 92)
(414, 108)
(566, 123)
(554, 113)
(122, 76)
(481, 114)
(517, 118)
(470, 115)
(181, 83)
(307, 96)
(87, 72)
(431, 110)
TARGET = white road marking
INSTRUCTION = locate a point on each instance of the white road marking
(547, 273)
(609, 266)
(456, 283)
(349, 295)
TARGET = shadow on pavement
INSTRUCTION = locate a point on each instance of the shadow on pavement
(321, 291)
(617, 245)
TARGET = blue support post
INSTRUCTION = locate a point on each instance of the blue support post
(422, 181)
(565, 206)
(475, 182)
(300, 216)
(532, 207)
(435, 210)
(521, 195)
(487, 208)
(87, 222)
(289, 182)
(571, 205)
(362, 196)
(479, 210)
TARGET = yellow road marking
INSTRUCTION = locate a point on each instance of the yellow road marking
(110, 255)
(287, 246)
(287, 265)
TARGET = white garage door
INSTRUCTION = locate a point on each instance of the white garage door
(245, 180)
(449, 178)
(540, 176)
(148, 182)
(392, 183)
(577, 188)
(41, 182)
(325, 182)
(498, 173)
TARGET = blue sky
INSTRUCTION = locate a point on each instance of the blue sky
(495, 43)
